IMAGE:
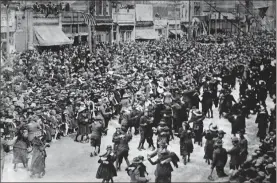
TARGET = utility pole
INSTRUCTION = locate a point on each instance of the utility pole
(8, 33)
(175, 10)
(210, 17)
(215, 24)
(189, 28)
(89, 30)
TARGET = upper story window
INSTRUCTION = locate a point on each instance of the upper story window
(107, 7)
(196, 8)
(99, 7)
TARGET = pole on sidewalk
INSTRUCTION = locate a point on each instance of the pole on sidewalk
(175, 10)
(210, 19)
(8, 34)
(189, 28)
(89, 30)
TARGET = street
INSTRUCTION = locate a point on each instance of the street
(69, 161)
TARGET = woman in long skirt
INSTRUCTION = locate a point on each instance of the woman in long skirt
(106, 170)
(186, 145)
(39, 156)
(20, 148)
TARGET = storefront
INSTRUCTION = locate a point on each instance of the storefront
(124, 25)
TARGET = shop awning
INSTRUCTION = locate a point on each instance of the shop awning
(178, 32)
(51, 36)
(146, 34)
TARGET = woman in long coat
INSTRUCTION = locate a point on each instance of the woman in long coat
(20, 148)
(39, 155)
(262, 120)
(106, 170)
(186, 145)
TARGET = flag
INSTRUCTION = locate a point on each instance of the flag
(89, 19)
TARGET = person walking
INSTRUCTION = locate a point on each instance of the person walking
(234, 152)
(186, 145)
(243, 144)
(144, 120)
(219, 159)
(123, 148)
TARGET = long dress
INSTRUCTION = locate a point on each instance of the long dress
(20, 153)
(39, 156)
(106, 169)
(186, 145)
(209, 145)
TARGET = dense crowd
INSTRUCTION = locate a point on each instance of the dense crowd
(49, 8)
(53, 93)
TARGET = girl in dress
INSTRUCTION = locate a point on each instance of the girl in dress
(106, 170)
(39, 155)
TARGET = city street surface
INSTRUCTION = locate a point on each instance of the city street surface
(69, 161)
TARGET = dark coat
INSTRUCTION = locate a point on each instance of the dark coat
(262, 120)
(238, 123)
(235, 155)
(186, 145)
(219, 157)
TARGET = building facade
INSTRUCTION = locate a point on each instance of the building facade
(8, 25)
(145, 22)
(124, 24)
(74, 27)
(104, 22)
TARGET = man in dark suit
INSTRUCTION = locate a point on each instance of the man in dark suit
(219, 159)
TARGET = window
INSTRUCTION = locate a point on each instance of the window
(3, 35)
(114, 36)
(128, 35)
(122, 36)
(99, 7)
(98, 38)
(196, 8)
(107, 7)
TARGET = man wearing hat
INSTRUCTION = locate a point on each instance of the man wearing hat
(235, 154)
(97, 128)
(123, 147)
(144, 121)
(163, 133)
(219, 159)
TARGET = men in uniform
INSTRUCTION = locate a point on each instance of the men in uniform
(219, 159)
(97, 128)
(235, 154)
(243, 144)
(144, 120)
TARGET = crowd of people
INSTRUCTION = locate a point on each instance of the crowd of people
(153, 87)
(50, 8)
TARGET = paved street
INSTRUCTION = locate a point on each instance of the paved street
(69, 161)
